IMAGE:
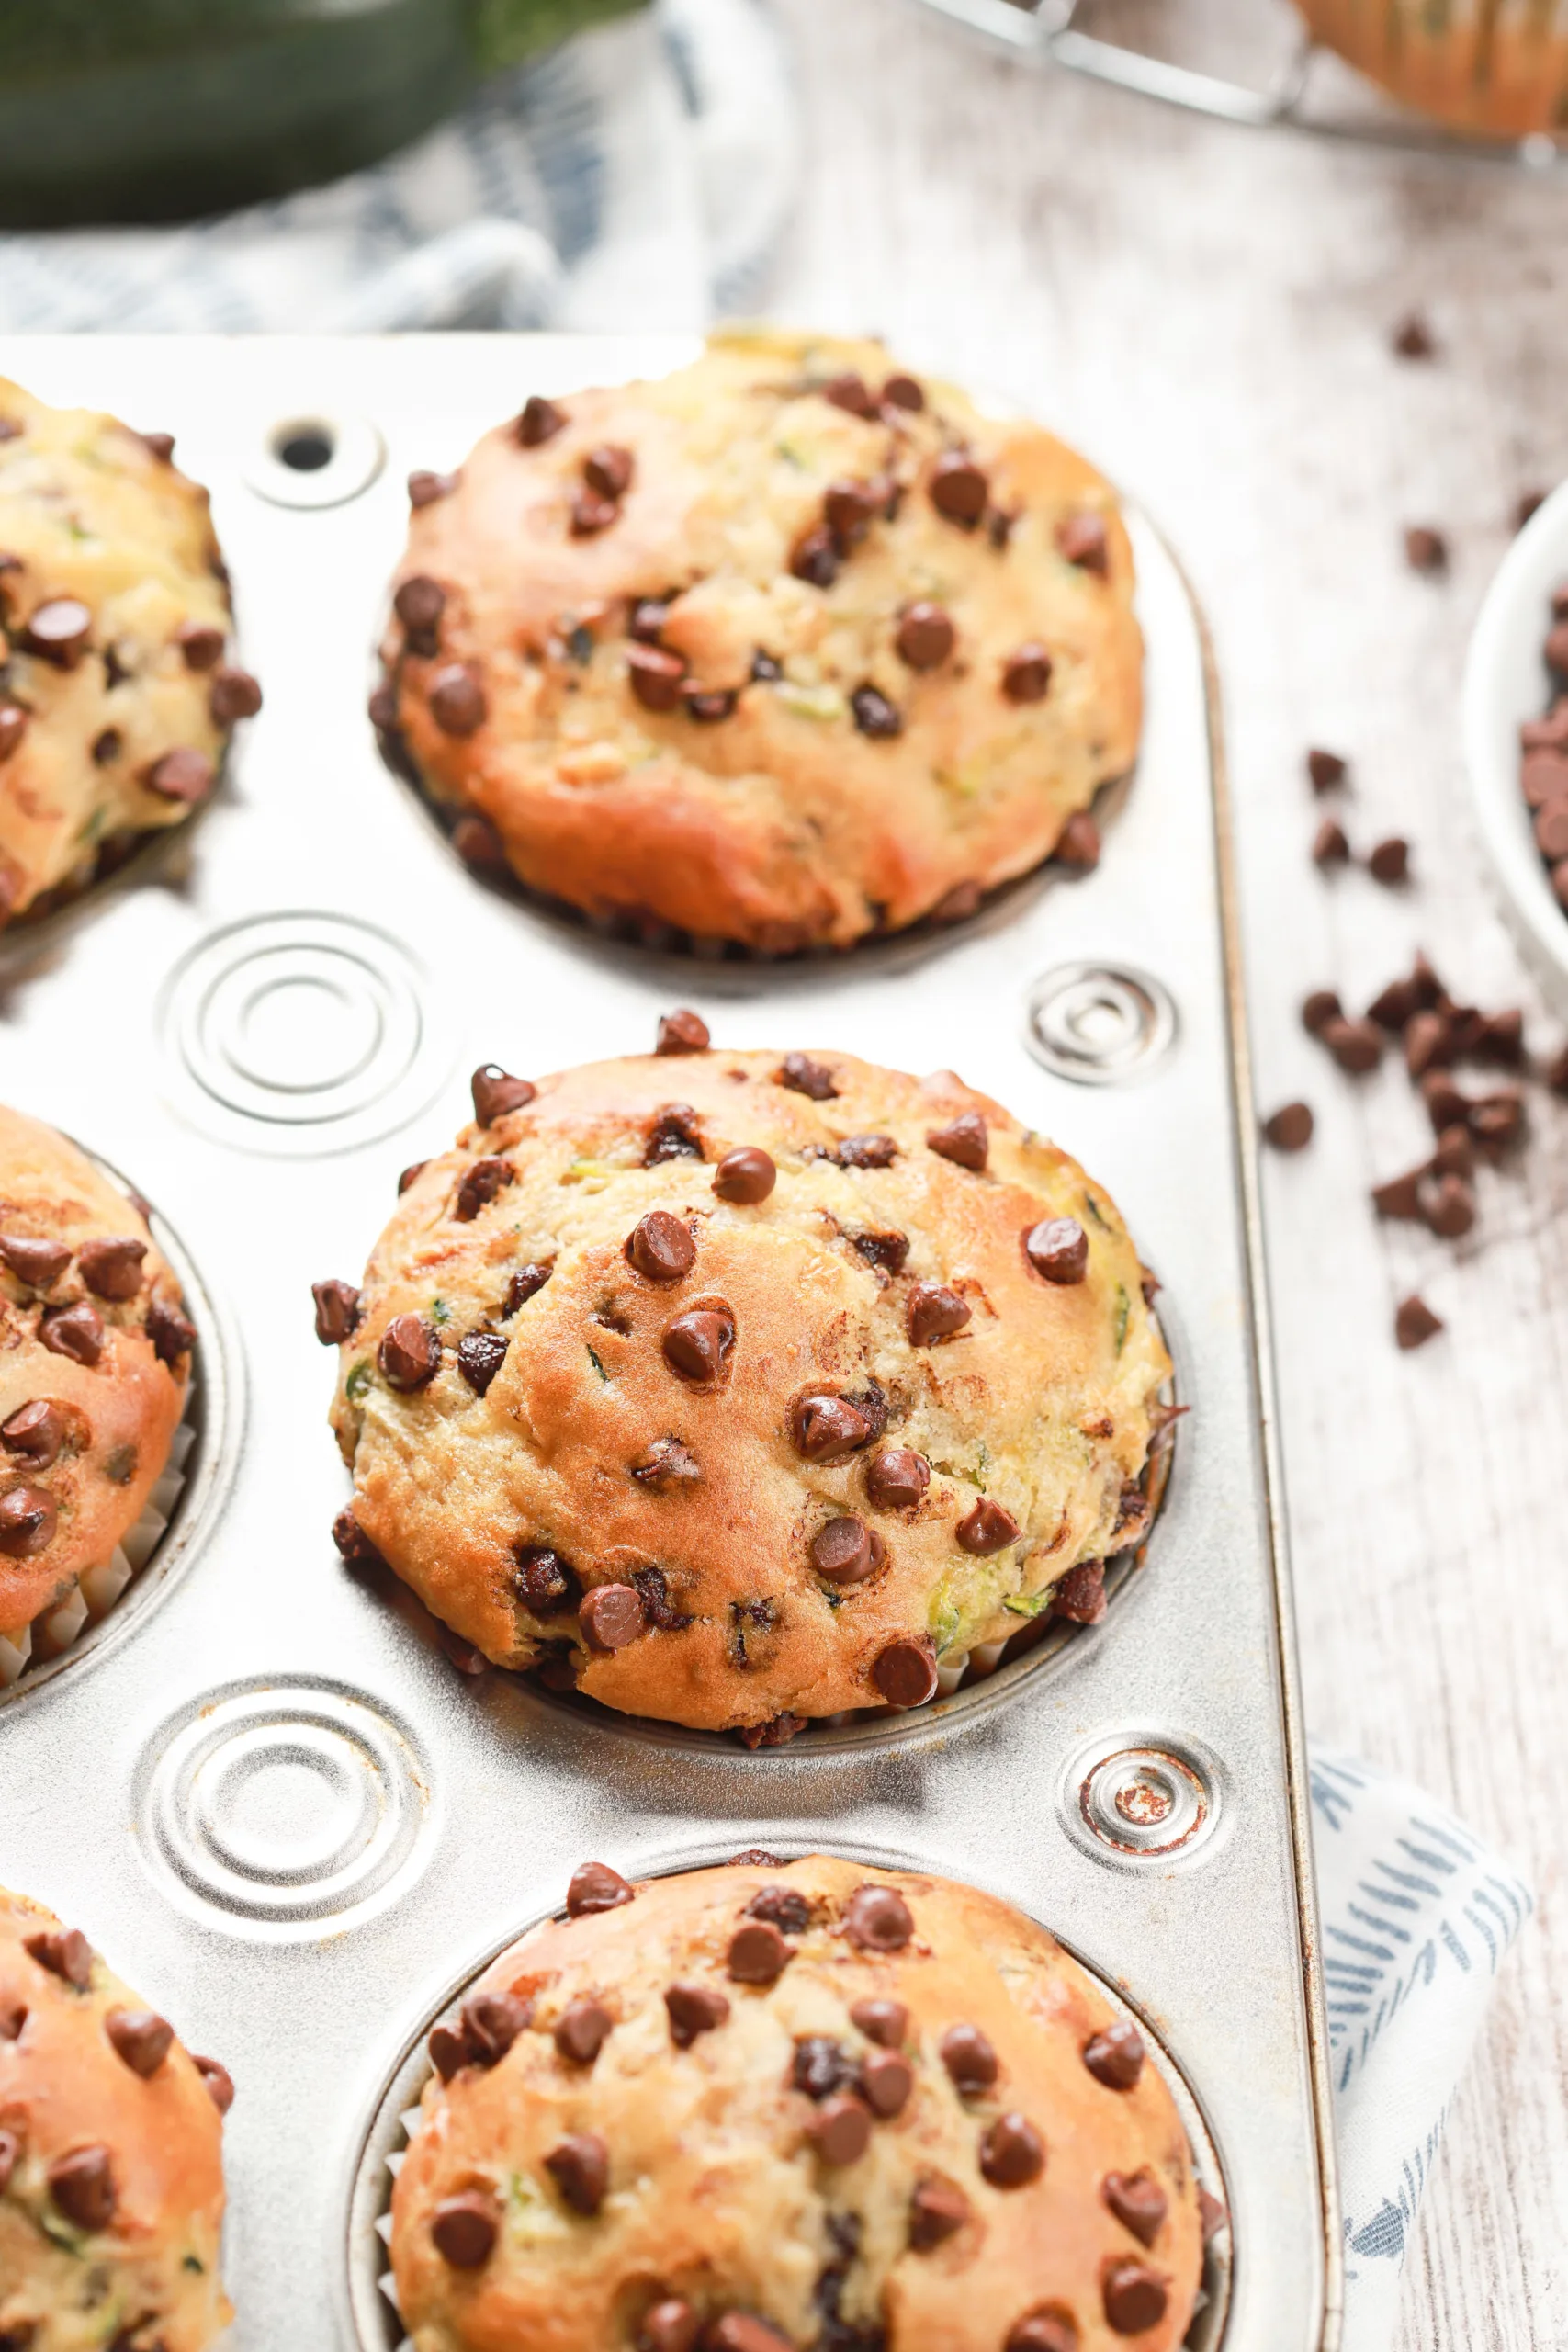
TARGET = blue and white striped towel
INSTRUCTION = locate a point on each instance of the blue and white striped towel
(636, 178)
(1416, 1915)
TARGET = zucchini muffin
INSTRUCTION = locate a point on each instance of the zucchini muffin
(111, 2170)
(742, 1389)
(117, 695)
(95, 1362)
(783, 649)
(762, 2108)
(1492, 67)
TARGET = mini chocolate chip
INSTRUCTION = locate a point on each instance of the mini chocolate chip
(987, 1529)
(139, 2038)
(457, 701)
(76, 1332)
(82, 2185)
(580, 2166)
(1026, 674)
(669, 2327)
(1425, 549)
(888, 1251)
(1449, 1210)
(112, 1269)
(1138, 2200)
(1445, 1106)
(902, 391)
(743, 2332)
(1331, 844)
(969, 2059)
(958, 489)
(496, 1092)
(410, 1352)
(182, 775)
(925, 636)
(849, 509)
(801, 1075)
(866, 1151)
(480, 1355)
(233, 694)
(964, 1140)
(481, 1180)
(172, 1334)
(1115, 2056)
(1496, 1120)
(65, 1953)
(1455, 1155)
(877, 1918)
(542, 1582)
(697, 1346)
(905, 1671)
(465, 2228)
(897, 1478)
(1080, 1595)
(824, 1426)
(426, 487)
(609, 470)
(655, 676)
(1400, 1196)
(745, 1176)
(820, 2066)
(848, 392)
(1053, 2329)
(1356, 1045)
(1078, 844)
(524, 1284)
(1212, 2214)
(612, 1615)
(884, 2022)
(1415, 1323)
(1389, 862)
(674, 1135)
(1012, 2153)
(12, 727)
(666, 1467)
(1134, 2297)
(1413, 338)
(57, 630)
(1082, 540)
(660, 1248)
(337, 1312)
(814, 556)
(382, 710)
(840, 2129)
(492, 2023)
(351, 1540)
(875, 715)
(582, 2031)
(934, 1312)
(887, 2079)
(681, 1033)
(693, 2009)
(597, 1887)
(591, 513)
(37, 1263)
(36, 1432)
(646, 617)
(1289, 1128)
(1327, 770)
(28, 1521)
(758, 1954)
(1319, 1009)
(201, 645)
(217, 2082)
(846, 1551)
(478, 845)
(936, 2209)
(541, 419)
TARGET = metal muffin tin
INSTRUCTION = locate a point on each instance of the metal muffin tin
(273, 1800)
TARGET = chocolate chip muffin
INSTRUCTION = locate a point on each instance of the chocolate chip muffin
(117, 695)
(746, 1388)
(95, 1362)
(111, 2173)
(762, 2108)
(785, 649)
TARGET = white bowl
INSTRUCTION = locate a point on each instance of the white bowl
(1504, 683)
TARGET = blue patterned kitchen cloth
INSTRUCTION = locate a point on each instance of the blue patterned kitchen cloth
(636, 178)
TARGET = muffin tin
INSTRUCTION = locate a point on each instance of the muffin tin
(275, 1798)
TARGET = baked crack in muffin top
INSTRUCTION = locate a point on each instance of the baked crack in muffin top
(746, 1388)
(784, 649)
(772, 2107)
(117, 695)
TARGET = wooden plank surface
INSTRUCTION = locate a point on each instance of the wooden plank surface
(1208, 312)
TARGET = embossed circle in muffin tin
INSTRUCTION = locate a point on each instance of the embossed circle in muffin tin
(302, 1034)
(1141, 1798)
(282, 1810)
(214, 1414)
(1099, 1023)
(373, 2324)
(314, 458)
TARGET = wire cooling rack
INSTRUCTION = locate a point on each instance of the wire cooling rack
(1284, 81)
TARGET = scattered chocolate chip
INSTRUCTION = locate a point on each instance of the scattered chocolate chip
(897, 1478)
(465, 2228)
(612, 1615)
(1413, 338)
(877, 1918)
(1330, 845)
(1356, 1045)
(887, 2079)
(171, 1333)
(958, 489)
(969, 2059)
(524, 1284)
(1134, 2297)
(903, 392)
(697, 1346)
(966, 1140)
(183, 775)
(1428, 1043)
(745, 1176)
(1026, 674)
(1080, 1595)
(582, 2031)
(1082, 540)
(496, 1092)
(660, 1248)
(82, 2185)
(609, 470)
(597, 1887)
(875, 715)
(1052, 2330)
(12, 727)
(669, 2327)
(814, 557)
(682, 1032)
(337, 1312)
(866, 1151)
(233, 694)
(410, 1352)
(65, 1953)
(139, 2038)
(457, 701)
(1138, 2200)
(934, 1313)
(426, 487)
(656, 677)
(787, 1910)
(803, 1076)
(758, 1953)
(693, 2009)
(840, 2129)
(1115, 2056)
(987, 1529)
(925, 636)
(848, 508)
(1289, 1128)
(743, 2332)
(480, 1355)
(1455, 1155)
(1012, 2153)
(848, 392)
(1498, 1120)
(591, 513)
(820, 2066)
(888, 1251)
(936, 2209)
(1449, 1208)
(1077, 845)
(958, 904)
(492, 2023)
(666, 1467)
(1325, 770)
(351, 1540)
(885, 2022)
(846, 1551)
(826, 1426)
(478, 845)
(58, 631)
(674, 1135)
(905, 1671)
(1502, 1038)
(112, 1269)
(1319, 1009)
(1057, 1249)
(480, 1181)
(36, 1263)
(76, 1332)
(1415, 1323)
(1389, 860)
(541, 419)
(36, 1432)
(1400, 1196)
(1212, 2214)
(1426, 550)
(217, 2082)
(201, 645)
